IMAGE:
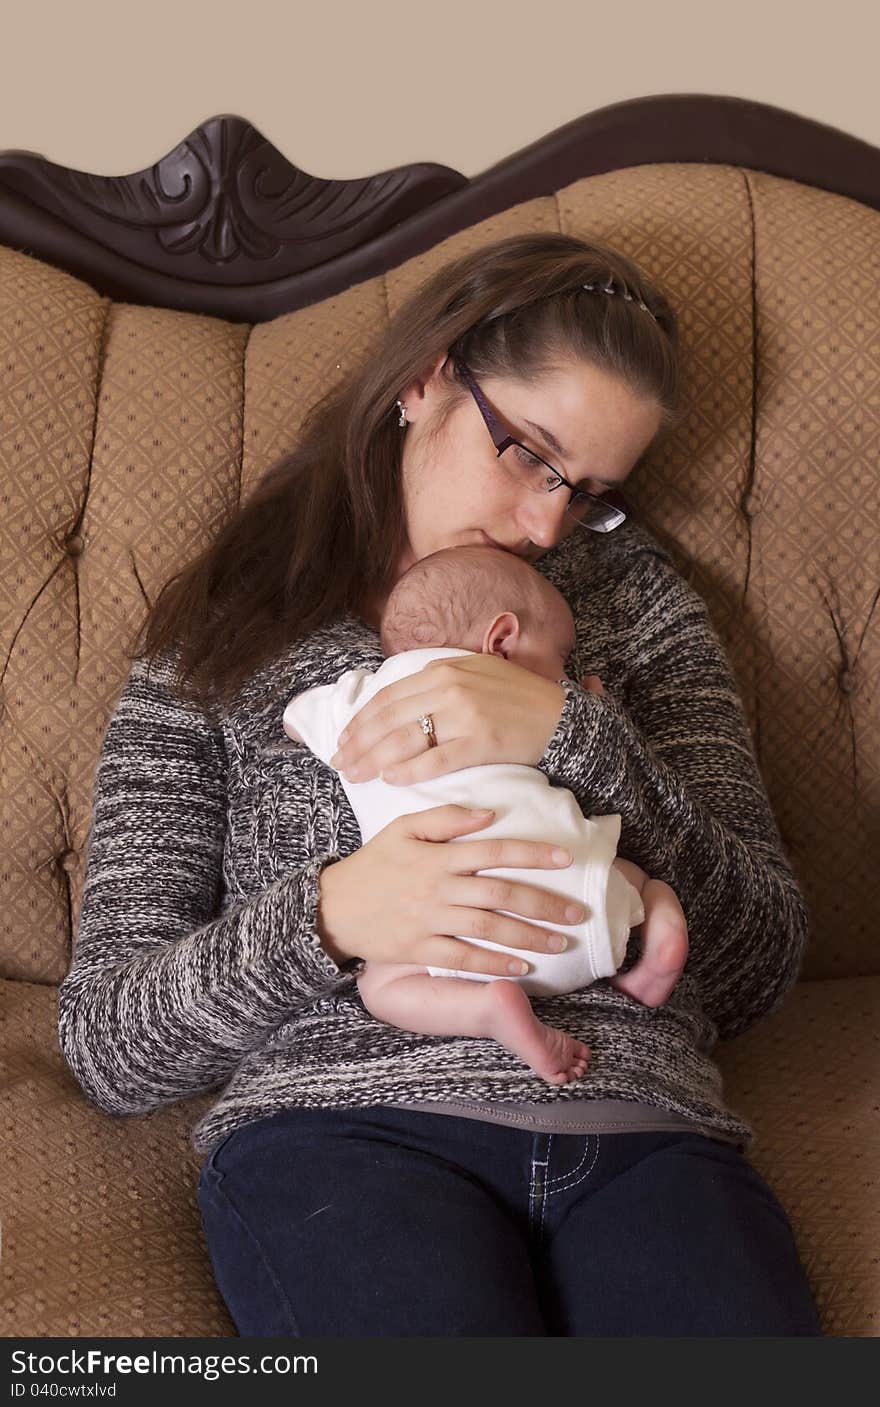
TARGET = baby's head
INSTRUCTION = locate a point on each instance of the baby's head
(482, 599)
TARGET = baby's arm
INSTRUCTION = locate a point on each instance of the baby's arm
(633, 872)
(664, 940)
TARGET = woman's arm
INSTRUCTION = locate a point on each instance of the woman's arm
(677, 763)
(163, 998)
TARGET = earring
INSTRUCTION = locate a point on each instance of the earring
(402, 421)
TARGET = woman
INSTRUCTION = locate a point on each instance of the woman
(362, 1180)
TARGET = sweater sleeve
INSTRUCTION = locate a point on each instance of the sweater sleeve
(164, 998)
(676, 761)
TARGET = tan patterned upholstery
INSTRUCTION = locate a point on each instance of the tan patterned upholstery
(126, 436)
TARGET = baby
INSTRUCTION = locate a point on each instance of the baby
(489, 601)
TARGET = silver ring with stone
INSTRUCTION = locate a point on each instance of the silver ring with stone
(426, 723)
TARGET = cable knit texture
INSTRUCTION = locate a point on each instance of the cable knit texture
(197, 965)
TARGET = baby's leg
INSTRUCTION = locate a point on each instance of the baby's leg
(664, 943)
(405, 995)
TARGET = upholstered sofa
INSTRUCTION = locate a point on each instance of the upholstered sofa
(161, 336)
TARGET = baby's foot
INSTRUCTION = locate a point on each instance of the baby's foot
(664, 953)
(510, 1020)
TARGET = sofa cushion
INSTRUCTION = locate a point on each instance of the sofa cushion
(811, 514)
(102, 1233)
(806, 1080)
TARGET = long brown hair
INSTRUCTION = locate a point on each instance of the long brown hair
(326, 525)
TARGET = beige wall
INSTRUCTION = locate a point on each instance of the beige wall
(357, 86)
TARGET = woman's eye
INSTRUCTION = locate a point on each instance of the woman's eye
(529, 459)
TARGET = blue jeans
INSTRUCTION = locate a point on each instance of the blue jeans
(381, 1222)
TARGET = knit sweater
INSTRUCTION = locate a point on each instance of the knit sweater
(197, 965)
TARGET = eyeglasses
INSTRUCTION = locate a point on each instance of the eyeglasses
(588, 510)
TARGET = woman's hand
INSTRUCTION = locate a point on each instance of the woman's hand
(405, 898)
(485, 709)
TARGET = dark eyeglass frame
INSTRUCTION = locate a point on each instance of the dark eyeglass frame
(502, 440)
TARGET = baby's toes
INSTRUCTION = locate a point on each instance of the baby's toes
(578, 1066)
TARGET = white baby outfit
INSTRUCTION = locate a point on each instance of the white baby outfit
(526, 807)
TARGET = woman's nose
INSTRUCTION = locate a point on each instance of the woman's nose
(544, 515)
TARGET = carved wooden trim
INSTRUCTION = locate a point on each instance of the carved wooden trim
(227, 225)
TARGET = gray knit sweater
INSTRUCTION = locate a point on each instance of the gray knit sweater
(197, 965)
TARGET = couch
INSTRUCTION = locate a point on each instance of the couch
(161, 336)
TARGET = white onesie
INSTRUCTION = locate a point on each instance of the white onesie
(526, 806)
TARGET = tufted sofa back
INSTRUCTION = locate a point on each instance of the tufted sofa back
(128, 434)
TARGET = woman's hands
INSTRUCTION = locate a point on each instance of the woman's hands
(485, 709)
(405, 898)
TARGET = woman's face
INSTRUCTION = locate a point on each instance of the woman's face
(455, 489)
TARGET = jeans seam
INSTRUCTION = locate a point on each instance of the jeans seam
(544, 1200)
(565, 1179)
(279, 1289)
(561, 1177)
(535, 1164)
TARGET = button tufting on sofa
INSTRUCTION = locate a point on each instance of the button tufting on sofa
(749, 504)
